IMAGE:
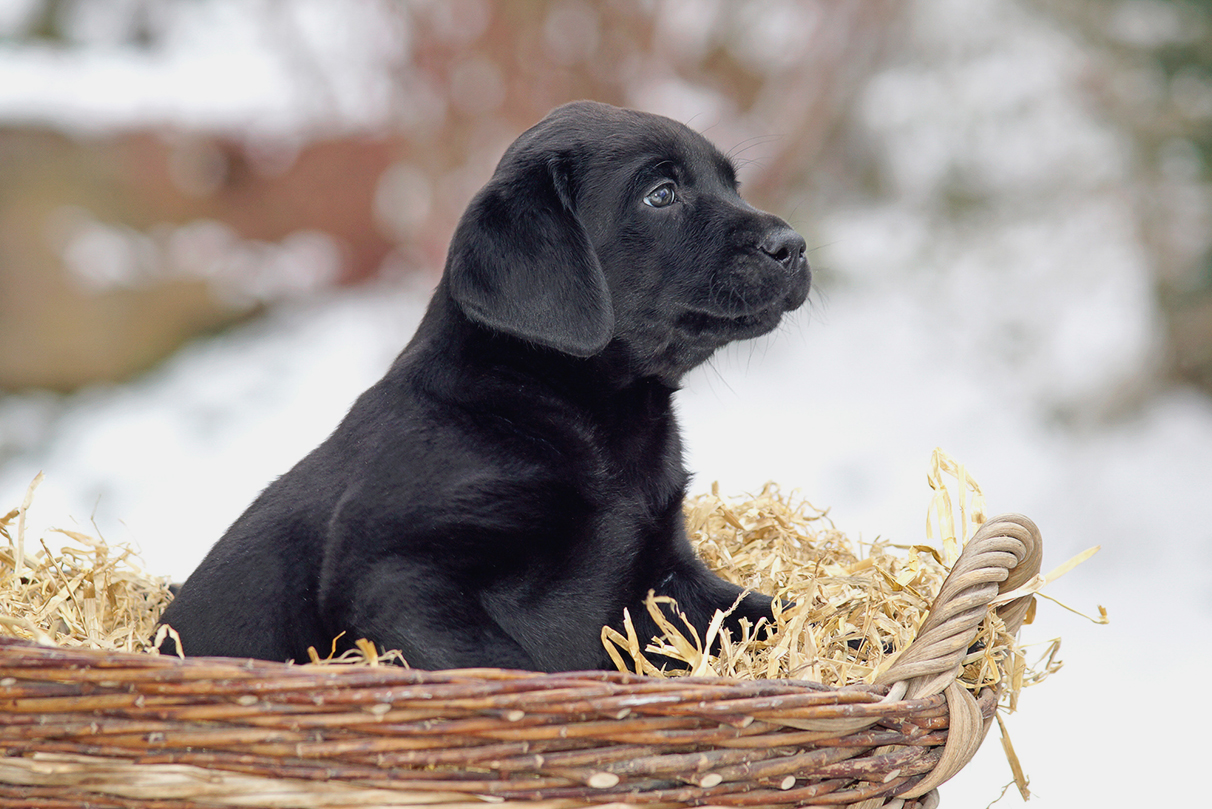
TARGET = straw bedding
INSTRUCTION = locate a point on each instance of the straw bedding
(79, 592)
(828, 705)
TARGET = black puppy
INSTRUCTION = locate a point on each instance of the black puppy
(515, 480)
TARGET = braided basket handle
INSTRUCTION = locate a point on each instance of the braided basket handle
(1003, 555)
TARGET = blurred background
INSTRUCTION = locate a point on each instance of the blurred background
(220, 220)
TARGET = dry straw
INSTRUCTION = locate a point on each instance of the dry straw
(844, 610)
(76, 590)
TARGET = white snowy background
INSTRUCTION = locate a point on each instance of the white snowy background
(1025, 344)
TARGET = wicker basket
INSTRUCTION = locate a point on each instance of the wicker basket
(101, 729)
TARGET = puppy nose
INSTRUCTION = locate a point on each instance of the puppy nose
(784, 245)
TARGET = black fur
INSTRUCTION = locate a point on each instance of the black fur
(516, 480)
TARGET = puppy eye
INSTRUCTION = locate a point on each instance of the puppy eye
(661, 196)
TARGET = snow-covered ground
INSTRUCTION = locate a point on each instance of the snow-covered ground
(1019, 336)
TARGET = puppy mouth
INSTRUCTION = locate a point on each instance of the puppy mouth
(747, 321)
(730, 327)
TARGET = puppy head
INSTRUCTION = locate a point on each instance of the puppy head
(615, 233)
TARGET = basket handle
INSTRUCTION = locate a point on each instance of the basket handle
(1004, 554)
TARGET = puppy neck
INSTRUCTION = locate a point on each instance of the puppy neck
(447, 329)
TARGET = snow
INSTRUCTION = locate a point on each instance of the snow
(1018, 333)
(253, 66)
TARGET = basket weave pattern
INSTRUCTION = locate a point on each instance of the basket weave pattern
(81, 727)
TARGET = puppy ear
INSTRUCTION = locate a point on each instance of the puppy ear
(520, 261)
